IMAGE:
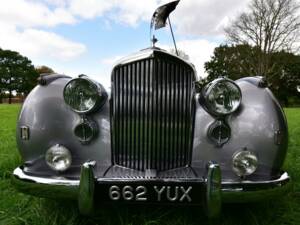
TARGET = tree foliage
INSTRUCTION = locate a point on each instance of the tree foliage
(286, 76)
(16, 73)
(234, 62)
(270, 25)
(44, 70)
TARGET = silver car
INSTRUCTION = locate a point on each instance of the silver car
(152, 138)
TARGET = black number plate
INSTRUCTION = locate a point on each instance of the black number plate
(155, 193)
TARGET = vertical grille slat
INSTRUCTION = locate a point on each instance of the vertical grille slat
(151, 155)
(159, 115)
(163, 116)
(181, 113)
(130, 156)
(137, 116)
(133, 102)
(155, 121)
(152, 114)
(176, 115)
(122, 115)
(142, 113)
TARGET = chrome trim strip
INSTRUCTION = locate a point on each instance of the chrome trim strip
(146, 53)
(60, 181)
(18, 172)
(232, 192)
(86, 191)
(284, 177)
(213, 190)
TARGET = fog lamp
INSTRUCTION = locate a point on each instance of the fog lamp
(58, 158)
(244, 163)
(83, 95)
(222, 96)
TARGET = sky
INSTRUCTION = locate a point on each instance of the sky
(88, 36)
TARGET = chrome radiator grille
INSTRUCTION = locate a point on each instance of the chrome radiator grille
(152, 114)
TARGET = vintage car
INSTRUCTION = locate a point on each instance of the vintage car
(154, 137)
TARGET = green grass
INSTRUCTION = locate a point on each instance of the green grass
(17, 208)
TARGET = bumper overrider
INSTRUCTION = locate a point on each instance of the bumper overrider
(210, 191)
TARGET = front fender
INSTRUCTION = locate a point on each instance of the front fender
(259, 126)
(51, 121)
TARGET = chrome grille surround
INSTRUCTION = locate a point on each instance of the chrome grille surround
(153, 113)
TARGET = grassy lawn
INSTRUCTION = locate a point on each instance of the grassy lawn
(16, 208)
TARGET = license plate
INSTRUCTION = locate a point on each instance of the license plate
(154, 193)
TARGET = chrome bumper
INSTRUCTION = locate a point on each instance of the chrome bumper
(217, 192)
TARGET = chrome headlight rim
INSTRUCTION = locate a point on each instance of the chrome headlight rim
(100, 94)
(206, 91)
(243, 153)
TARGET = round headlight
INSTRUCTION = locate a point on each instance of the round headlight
(84, 95)
(222, 96)
(58, 158)
(244, 163)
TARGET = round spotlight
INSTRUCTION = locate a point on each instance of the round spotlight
(83, 95)
(222, 96)
(244, 163)
(58, 158)
(86, 131)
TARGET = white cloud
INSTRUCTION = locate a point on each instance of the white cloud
(206, 17)
(24, 24)
(111, 61)
(201, 17)
(36, 43)
(27, 14)
(198, 50)
(133, 12)
(89, 9)
(26, 20)
(129, 12)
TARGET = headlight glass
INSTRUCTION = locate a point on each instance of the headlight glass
(244, 163)
(83, 95)
(58, 158)
(222, 96)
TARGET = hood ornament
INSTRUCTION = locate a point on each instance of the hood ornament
(159, 20)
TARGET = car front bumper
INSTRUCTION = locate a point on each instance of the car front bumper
(211, 191)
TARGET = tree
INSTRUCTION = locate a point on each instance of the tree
(270, 25)
(44, 70)
(286, 76)
(16, 73)
(233, 62)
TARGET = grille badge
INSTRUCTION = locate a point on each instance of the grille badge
(150, 173)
